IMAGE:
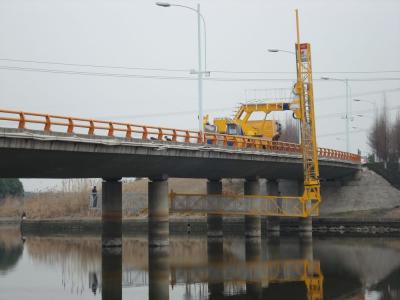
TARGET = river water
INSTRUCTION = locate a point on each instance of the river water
(76, 267)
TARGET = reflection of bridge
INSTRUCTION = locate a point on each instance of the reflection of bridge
(240, 273)
(348, 265)
(267, 272)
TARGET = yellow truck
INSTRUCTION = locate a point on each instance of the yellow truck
(243, 124)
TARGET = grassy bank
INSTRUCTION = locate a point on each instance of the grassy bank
(73, 200)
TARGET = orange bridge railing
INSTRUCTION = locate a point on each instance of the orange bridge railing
(71, 125)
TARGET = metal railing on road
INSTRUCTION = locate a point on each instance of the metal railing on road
(72, 125)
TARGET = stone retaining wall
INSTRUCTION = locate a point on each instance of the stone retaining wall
(232, 226)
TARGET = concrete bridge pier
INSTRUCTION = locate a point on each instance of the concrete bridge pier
(158, 231)
(305, 227)
(273, 223)
(253, 258)
(306, 248)
(111, 234)
(252, 224)
(158, 273)
(273, 248)
(111, 273)
(214, 221)
(215, 254)
(305, 224)
(307, 252)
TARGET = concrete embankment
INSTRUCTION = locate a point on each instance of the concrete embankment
(232, 226)
(366, 191)
(9, 221)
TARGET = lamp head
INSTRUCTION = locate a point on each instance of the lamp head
(163, 4)
(273, 50)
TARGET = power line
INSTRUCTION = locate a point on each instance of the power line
(321, 99)
(44, 62)
(186, 70)
(315, 72)
(397, 107)
(358, 94)
(84, 73)
(166, 114)
(142, 76)
(341, 133)
(221, 109)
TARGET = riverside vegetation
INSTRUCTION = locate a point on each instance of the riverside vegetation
(73, 200)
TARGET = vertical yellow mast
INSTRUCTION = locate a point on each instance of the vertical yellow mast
(304, 89)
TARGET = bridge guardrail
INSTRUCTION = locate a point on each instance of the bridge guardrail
(72, 125)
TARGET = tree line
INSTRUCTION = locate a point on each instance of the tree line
(384, 138)
(11, 187)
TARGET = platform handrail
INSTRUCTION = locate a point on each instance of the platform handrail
(148, 132)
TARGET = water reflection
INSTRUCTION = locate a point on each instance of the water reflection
(258, 273)
(197, 268)
(111, 266)
(159, 273)
(215, 276)
(11, 247)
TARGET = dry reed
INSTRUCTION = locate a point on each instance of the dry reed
(71, 201)
(10, 237)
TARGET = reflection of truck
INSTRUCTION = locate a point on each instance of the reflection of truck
(243, 124)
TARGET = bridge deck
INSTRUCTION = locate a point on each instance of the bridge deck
(38, 154)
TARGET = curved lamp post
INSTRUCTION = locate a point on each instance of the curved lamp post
(200, 72)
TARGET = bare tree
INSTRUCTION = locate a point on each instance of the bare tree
(395, 138)
(290, 131)
(378, 138)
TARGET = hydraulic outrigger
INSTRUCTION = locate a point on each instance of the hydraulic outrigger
(291, 206)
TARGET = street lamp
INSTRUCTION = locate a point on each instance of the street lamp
(273, 50)
(280, 50)
(346, 81)
(200, 71)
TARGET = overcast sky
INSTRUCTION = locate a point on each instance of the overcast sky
(346, 36)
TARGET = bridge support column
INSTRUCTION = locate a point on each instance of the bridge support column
(111, 234)
(306, 248)
(273, 223)
(158, 230)
(273, 248)
(305, 224)
(214, 221)
(215, 254)
(253, 259)
(111, 273)
(305, 227)
(252, 224)
(158, 273)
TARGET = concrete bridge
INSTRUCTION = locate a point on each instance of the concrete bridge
(46, 146)
(39, 154)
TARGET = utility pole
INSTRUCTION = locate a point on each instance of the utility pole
(200, 71)
(347, 116)
(385, 124)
